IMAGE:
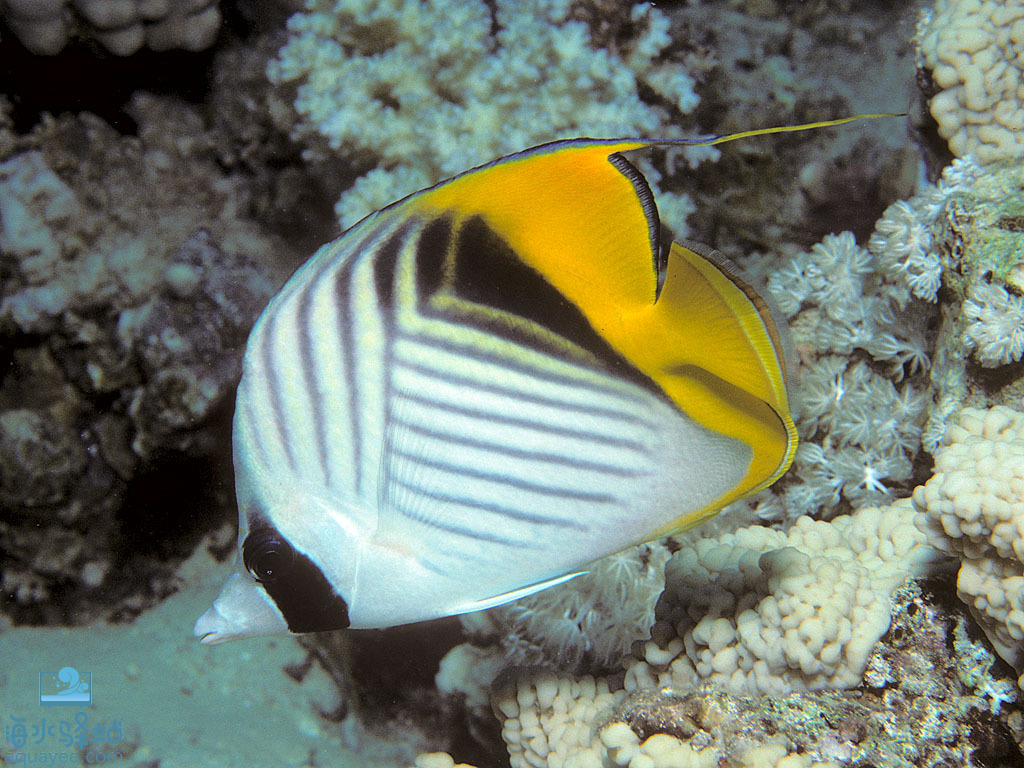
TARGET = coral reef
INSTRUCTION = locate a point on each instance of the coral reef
(978, 341)
(120, 26)
(973, 508)
(916, 690)
(974, 50)
(67, 459)
(920, 705)
(129, 288)
(761, 63)
(414, 92)
(131, 269)
(870, 362)
(736, 620)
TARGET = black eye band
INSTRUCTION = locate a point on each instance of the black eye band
(295, 583)
(267, 556)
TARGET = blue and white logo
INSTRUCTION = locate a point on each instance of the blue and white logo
(67, 687)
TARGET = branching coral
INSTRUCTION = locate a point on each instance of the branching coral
(425, 90)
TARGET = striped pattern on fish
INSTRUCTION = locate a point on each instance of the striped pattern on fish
(495, 420)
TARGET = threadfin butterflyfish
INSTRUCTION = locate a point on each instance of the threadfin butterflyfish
(477, 391)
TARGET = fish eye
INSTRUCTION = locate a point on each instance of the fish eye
(267, 557)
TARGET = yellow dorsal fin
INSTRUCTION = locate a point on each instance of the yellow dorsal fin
(577, 212)
(567, 212)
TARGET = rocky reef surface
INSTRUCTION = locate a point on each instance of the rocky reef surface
(152, 200)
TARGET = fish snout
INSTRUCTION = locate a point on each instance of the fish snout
(243, 609)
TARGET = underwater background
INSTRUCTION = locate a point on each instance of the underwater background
(164, 166)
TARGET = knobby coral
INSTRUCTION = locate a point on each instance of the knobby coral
(750, 612)
(120, 26)
(975, 52)
(973, 508)
(761, 611)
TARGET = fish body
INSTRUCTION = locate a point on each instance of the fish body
(480, 389)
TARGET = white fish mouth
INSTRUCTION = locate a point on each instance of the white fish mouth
(243, 609)
(211, 628)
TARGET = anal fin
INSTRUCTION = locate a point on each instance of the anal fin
(515, 594)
